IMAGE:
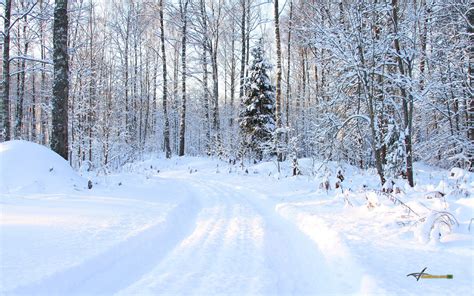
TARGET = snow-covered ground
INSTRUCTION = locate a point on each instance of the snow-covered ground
(201, 226)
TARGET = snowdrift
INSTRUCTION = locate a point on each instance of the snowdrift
(29, 167)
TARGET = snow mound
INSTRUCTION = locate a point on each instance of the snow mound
(457, 173)
(29, 167)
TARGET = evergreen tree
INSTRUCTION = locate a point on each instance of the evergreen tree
(257, 119)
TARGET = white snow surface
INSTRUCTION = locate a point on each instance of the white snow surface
(198, 226)
(31, 168)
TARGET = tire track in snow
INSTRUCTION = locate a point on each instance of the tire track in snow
(240, 246)
(296, 265)
(223, 239)
(352, 277)
(212, 260)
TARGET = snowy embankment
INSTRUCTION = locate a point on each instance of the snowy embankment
(55, 233)
(200, 226)
(26, 167)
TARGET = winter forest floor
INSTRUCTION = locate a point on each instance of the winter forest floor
(200, 226)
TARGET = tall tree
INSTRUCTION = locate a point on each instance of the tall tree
(232, 74)
(216, 14)
(205, 75)
(470, 113)
(59, 137)
(6, 127)
(404, 67)
(257, 118)
(19, 124)
(92, 81)
(166, 127)
(43, 115)
(243, 47)
(276, 12)
(183, 8)
(288, 74)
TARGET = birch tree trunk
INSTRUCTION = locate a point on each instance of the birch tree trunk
(278, 74)
(288, 74)
(175, 107)
(243, 46)
(182, 123)
(232, 76)
(205, 75)
(92, 84)
(166, 128)
(215, 91)
(127, 38)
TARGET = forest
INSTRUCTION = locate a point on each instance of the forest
(372, 83)
(237, 147)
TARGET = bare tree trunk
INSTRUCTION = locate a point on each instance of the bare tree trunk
(108, 113)
(288, 82)
(43, 127)
(127, 37)
(215, 79)
(6, 128)
(92, 84)
(154, 98)
(470, 117)
(76, 132)
(303, 91)
(364, 85)
(206, 101)
(176, 98)
(232, 76)
(18, 100)
(242, 57)
(423, 43)
(166, 128)
(147, 102)
(247, 38)
(182, 123)
(59, 139)
(205, 75)
(213, 50)
(134, 97)
(21, 87)
(278, 73)
(140, 95)
(242, 143)
(407, 102)
(34, 107)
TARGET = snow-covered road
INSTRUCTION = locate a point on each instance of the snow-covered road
(206, 237)
(238, 246)
(189, 230)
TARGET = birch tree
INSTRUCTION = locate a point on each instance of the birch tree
(183, 9)
(166, 127)
(276, 15)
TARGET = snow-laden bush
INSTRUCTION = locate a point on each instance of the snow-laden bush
(434, 226)
(372, 200)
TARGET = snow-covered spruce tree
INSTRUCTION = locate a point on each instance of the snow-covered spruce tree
(257, 119)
